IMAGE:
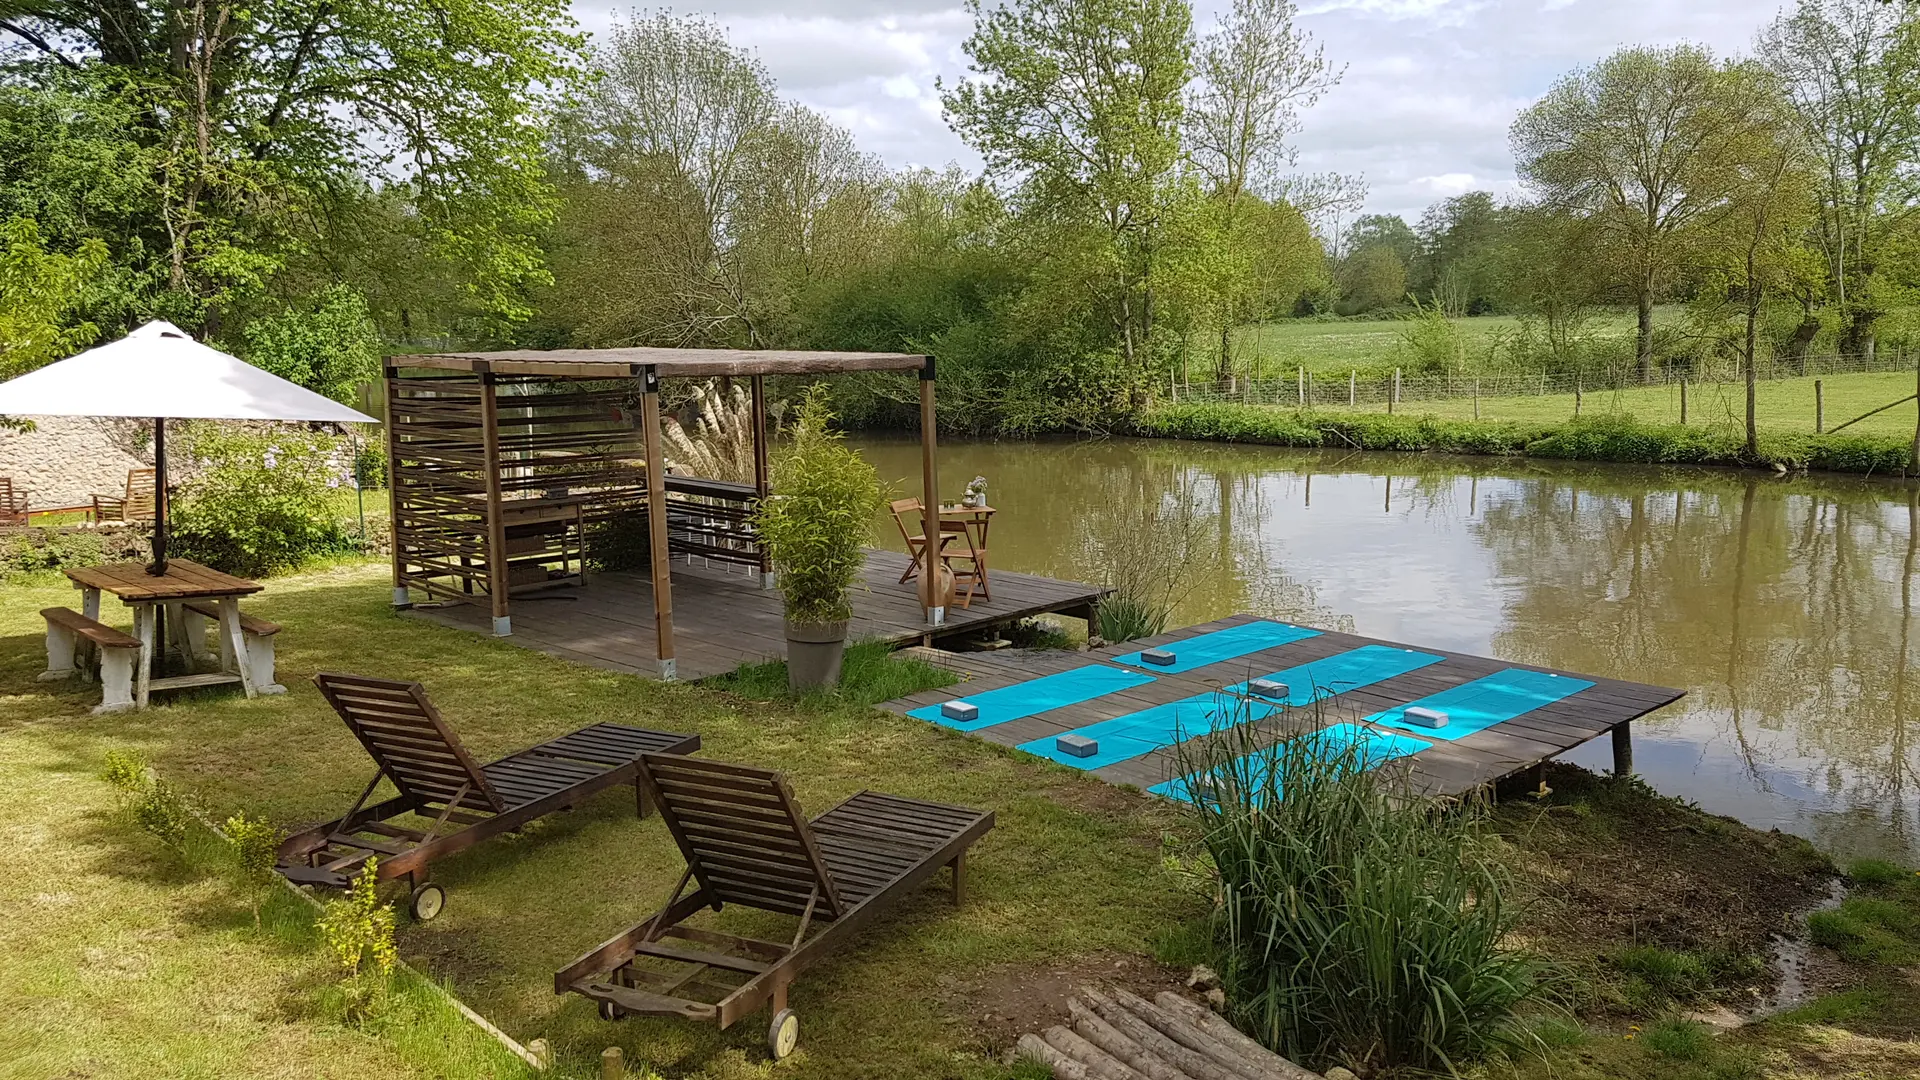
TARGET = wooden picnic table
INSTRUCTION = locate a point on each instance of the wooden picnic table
(184, 582)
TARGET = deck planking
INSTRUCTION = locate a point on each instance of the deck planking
(1448, 767)
(723, 619)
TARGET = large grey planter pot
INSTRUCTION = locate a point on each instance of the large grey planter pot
(814, 652)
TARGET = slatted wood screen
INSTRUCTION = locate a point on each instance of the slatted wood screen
(580, 437)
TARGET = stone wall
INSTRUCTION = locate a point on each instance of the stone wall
(65, 460)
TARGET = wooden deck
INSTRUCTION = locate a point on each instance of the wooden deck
(1447, 768)
(723, 619)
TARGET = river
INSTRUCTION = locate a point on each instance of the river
(1783, 606)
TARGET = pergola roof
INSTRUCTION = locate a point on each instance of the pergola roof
(669, 363)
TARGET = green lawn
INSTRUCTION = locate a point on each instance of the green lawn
(120, 961)
(1071, 875)
(1780, 404)
(1332, 346)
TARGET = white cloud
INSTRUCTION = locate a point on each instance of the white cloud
(1430, 90)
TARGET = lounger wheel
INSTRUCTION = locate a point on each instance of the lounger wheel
(610, 1011)
(428, 901)
(784, 1035)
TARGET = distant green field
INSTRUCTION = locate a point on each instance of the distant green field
(1278, 347)
(1780, 404)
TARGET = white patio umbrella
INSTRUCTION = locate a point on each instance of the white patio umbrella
(158, 371)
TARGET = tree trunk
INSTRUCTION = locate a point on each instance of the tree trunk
(1753, 320)
(1802, 341)
(1643, 334)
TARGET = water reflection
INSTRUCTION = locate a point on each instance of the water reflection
(1784, 607)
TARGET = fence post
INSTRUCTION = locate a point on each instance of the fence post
(1476, 397)
(1302, 372)
(1683, 399)
(1576, 396)
(1353, 377)
(1393, 392)
(1819, 408)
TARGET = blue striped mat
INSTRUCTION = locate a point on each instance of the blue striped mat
(1374, 748)
(1482, 703)
(1211, 648)
(1036, 696)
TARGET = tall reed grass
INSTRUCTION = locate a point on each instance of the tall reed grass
(1355, 925)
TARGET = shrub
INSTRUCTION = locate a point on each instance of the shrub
(162, 811)
(359, 930)
(1877, 872)
(1681, 1040)
(261, 503)
(370, 467)
(1354, 924)
(43, 550)
(255, 845)
(126, 772)
(825, 497)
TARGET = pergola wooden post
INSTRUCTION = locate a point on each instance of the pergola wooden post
(659, 559)
(762, 475)
(496, 538)
(929, 500)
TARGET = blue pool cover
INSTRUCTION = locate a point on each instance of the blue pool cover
(1341, 672)
(1482, 703)
(1235, 641)
(1143, 732)
(1037, 696)
(1374, 748)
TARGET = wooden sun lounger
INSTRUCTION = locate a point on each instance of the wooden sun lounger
(439, 781)
(746, 843)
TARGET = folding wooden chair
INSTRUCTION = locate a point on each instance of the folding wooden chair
(135, 505)
(13, 504)
(902, 509)
(968, 564)
(746, 843)
(439, 782)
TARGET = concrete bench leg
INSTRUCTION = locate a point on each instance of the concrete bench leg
(260, 664)
(116, 680)
(195, 625)
(61, 644)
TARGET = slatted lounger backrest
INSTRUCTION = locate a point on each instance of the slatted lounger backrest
(742, 834)
(403, 732)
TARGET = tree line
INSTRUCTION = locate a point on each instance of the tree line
(315, 182)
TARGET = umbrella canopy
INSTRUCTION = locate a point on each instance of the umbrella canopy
(158, 371)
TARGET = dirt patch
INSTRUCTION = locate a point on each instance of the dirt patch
(1608, 866)
(1008, 1003)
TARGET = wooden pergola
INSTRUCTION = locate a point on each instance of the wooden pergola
(499, 462)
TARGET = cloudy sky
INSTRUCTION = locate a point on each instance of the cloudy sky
(1430, 86)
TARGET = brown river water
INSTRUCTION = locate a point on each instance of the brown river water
(1783, 606)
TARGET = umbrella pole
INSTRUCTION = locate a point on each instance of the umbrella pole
(159, 567)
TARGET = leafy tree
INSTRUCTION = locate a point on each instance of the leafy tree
(330, 346)
(38, 289)
(1460, 240)
(683, 150)
(1257, 73)
(1647, 143)
(243, 125)
(1372, 278)
(1852, 71)
(1081, 102)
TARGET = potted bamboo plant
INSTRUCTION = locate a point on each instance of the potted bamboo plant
(815, 523)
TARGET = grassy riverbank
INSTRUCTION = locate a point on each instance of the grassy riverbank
(1649, 907)
(1607, 438)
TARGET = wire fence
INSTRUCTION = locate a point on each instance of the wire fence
(1669, 390)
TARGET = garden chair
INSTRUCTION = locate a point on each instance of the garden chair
(13, 504)
(746, 842)
(439, 782)
(135, 505)
(968, 564)
(902, 510)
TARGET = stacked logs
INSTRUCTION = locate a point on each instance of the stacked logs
(1121, 1036)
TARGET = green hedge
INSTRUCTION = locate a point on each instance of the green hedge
(1604, 439)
